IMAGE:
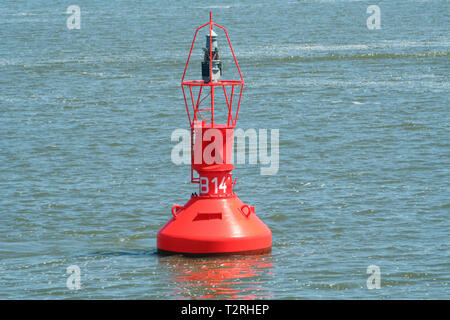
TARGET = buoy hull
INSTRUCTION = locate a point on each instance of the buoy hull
(212, 225)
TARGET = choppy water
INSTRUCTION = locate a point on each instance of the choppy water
(86, 177)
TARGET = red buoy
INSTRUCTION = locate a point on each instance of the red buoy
(215, 221)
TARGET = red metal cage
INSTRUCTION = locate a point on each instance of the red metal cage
(196, 101)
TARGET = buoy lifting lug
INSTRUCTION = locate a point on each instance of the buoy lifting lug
(249, 210)
(175, 209)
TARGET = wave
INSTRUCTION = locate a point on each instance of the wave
(358, 56)
(383, 49)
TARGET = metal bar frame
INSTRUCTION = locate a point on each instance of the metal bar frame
(231, 121)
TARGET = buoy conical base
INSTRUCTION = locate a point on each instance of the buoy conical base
(215, 225)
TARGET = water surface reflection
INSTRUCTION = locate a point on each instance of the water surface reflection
(232, 277)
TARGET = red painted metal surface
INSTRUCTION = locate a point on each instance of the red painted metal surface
(207, 225)
(214, 221)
